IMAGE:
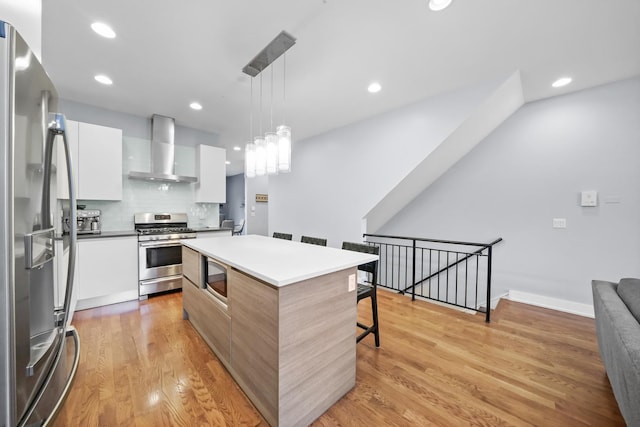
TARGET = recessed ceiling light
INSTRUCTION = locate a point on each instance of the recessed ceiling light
(374, 87)
(437, 5)
(195, 106)
(227, 162)
(563, 81)
(236, 148)
(103, 29)
(101, 78)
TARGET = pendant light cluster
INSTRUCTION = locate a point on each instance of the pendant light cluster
(269, 153)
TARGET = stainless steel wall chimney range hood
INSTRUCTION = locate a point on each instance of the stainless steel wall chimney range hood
(162, 153)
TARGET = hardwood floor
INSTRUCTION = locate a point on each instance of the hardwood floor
(142, 365)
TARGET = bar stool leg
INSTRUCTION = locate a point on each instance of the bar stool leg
(374, 312)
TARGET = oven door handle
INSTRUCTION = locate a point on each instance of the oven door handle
(159, 244)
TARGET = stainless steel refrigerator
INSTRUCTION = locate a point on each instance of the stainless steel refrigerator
(36, 366)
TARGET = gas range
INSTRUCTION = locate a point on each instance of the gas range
(162, 226)
(160, 251)
(165, 233)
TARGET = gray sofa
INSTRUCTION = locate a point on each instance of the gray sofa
(617, 310)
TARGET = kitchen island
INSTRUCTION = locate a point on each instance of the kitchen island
(287, 331)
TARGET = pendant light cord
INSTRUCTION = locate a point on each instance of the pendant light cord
(261, 104)
(284, 88)
(251, 112)
(271, 125)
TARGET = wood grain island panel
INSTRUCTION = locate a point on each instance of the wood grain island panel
(292, 345)
(254, 341)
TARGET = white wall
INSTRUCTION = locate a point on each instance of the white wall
(531, 170)
(339, 176)
(234, 207)
(26, 17)
(257, 213)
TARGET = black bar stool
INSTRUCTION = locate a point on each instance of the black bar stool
(367, 290)
(314, 240)
(284, 236)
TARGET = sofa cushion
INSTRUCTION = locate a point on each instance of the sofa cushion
(629, 292)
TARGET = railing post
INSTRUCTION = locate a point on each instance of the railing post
(488, 314)
(413, 275)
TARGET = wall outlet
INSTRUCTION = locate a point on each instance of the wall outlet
(352, 282)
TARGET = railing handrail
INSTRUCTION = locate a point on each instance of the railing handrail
(422, 239)
(482, 247)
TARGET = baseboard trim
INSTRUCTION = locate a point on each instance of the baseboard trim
(84, 304)
(558, 304)
(495, 300)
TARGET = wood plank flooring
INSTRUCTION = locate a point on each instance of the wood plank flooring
(142, 365)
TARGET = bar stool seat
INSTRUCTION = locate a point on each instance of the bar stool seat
(284, 236)
(314, 240)
(367, 289)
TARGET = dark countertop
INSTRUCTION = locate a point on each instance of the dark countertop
(103, 234)
(127, 233)
(205, 229)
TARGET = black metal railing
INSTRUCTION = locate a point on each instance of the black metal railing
(448, 271)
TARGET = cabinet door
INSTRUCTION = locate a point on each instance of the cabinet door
(61, 175)
(208, 316)
(191, 265)
(211, 171)
(60, 279)
(99, 163)
(108, 267)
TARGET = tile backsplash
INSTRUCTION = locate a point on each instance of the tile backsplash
(148, 196)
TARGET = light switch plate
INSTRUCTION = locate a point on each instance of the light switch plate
(559, 222)
(352, 282)
(589, 198)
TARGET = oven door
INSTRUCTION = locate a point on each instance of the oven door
(159, 259)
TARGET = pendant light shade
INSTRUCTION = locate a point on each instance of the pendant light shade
(271, 142)
(284, 148)
(261, 156)
(250, 160)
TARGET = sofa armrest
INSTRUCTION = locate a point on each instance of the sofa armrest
(618, 335)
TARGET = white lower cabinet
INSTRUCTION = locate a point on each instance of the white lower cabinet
(107, 271)
(60, 274)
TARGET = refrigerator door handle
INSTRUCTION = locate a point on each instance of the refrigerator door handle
(57, 126)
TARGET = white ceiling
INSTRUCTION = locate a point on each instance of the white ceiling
(169, 53)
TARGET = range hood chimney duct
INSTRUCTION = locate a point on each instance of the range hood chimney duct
(162, 153)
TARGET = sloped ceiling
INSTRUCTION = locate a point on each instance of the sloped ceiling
(501, 104)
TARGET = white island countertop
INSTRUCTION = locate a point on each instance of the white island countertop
(276, 261)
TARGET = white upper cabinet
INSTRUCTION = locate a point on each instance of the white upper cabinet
(97, 162)
(211, 171)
